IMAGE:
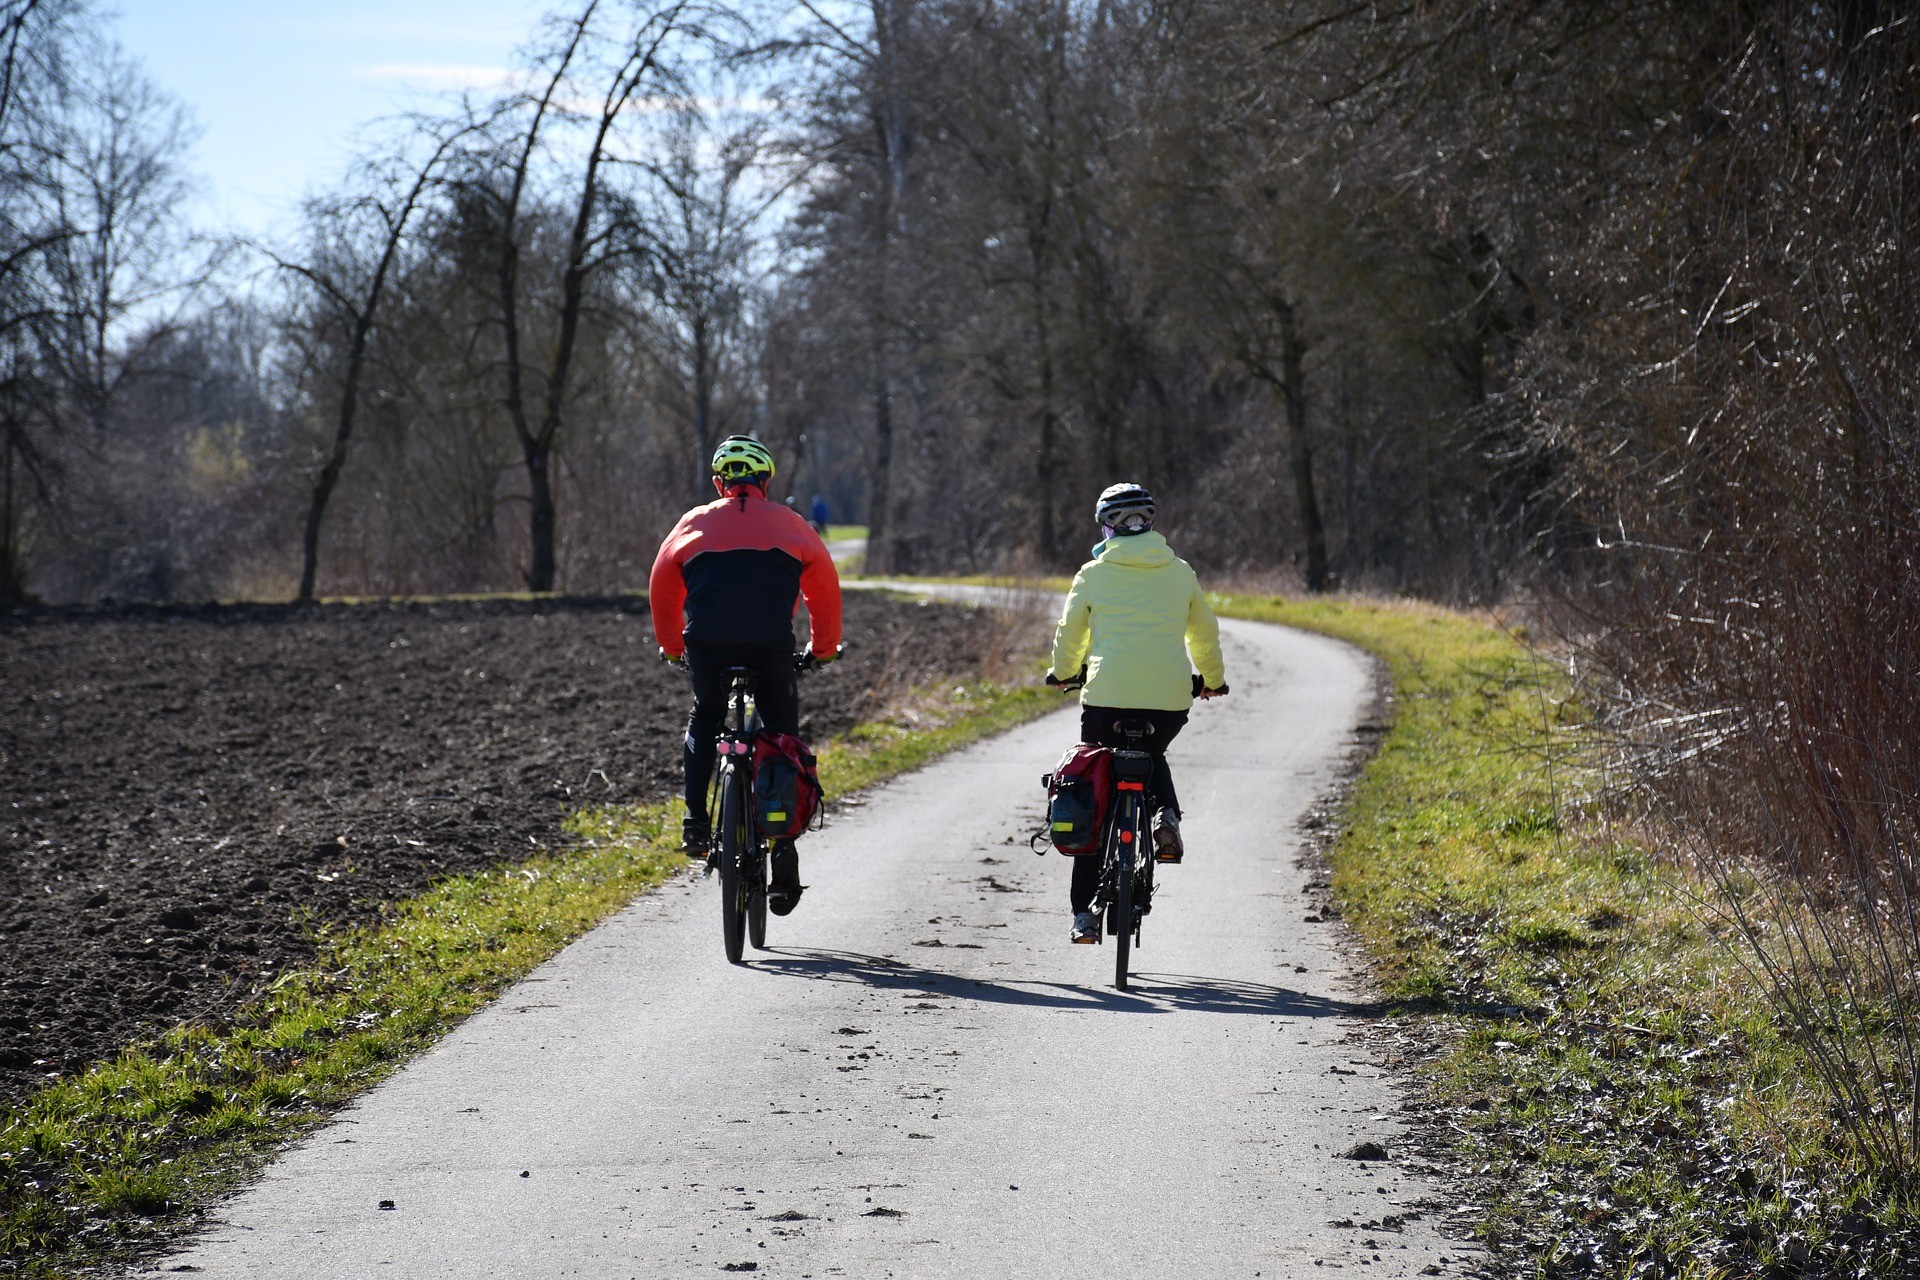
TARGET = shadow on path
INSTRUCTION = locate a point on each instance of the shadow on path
(1150, 992)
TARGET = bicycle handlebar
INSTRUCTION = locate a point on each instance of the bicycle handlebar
(1203, 693)
(807, 660)
(1079, 680)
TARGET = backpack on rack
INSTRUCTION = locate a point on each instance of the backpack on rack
(786, 785)
(1078, 791)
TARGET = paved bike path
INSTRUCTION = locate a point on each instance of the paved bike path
(922, 1077)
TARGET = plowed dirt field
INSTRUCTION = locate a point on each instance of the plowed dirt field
(186, 794)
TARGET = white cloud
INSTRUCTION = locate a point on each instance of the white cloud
(441, 75)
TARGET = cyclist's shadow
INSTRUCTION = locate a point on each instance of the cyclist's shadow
(1149, 992)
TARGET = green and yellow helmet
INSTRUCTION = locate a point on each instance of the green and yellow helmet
(743, 458)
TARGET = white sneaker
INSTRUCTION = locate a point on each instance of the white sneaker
(1086, 927)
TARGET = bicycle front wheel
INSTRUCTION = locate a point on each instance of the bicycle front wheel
(733, 862)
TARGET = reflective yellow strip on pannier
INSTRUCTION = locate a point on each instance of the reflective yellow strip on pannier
(776, 817)
(1063, 826)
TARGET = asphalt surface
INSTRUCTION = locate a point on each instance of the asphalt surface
(922, 1077)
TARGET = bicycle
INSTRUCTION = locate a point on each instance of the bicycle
(1127, 856)
(738, 851)
(1125, 895)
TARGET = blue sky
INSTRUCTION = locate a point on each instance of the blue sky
(282, 88)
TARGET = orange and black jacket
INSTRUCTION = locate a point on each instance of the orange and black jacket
(732, 573)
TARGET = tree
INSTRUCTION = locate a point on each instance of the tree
(869, 135)
(119, 176)
(642, 59)
(92, 171)
(338, 254)
(701, 212)
(34, 35)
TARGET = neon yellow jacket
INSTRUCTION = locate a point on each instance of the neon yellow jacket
(1133, 615)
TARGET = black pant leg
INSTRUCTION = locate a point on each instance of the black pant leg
(1086, 881)
(704, 664)
(778, 691)
(1169, 724)
(1096, 725)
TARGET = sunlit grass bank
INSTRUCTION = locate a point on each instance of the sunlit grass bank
(112, 1159)
(1625, 1098)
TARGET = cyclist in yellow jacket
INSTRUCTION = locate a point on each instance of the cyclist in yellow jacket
(1134, 617)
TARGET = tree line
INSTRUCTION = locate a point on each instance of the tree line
(1422, 296)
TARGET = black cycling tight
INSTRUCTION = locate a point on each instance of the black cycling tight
(776, 695)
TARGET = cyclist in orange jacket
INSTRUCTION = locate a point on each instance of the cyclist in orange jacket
(723, 593)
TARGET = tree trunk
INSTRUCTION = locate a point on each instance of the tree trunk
(13, 586)
(702, 405)
(540, 572)
(343, 428)
(1038, 244)
(892, 141)
(322, 492)
(1043, 459)
(879, 479)
(1293, 357)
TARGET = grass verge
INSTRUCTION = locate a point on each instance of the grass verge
(1626, 1100)
(109, 1162)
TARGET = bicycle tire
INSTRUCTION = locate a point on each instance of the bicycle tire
(1143, 885)
(733, 880)
(757, 898)
(1123, 895)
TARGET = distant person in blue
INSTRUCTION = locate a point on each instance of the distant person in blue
(819, 514)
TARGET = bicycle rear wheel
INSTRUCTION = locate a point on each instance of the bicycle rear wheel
(1143, 883)
(1126, 835)
(757, 896)
(733, 859)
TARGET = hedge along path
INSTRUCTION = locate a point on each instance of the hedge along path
(111, 1160)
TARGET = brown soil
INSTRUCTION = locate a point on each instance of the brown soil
(185, 794)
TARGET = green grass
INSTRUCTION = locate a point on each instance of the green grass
(105, 1163)
(1624, 1096)
(840, 532)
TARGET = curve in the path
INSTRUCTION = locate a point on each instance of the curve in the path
(922, 1077)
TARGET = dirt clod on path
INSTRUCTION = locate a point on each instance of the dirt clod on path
(186, 793)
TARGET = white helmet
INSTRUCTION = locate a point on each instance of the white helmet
(1125, 508)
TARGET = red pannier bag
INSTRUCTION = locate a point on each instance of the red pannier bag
(786, 785)
(1078, 791)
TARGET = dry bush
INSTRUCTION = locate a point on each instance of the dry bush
(1750, 456)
